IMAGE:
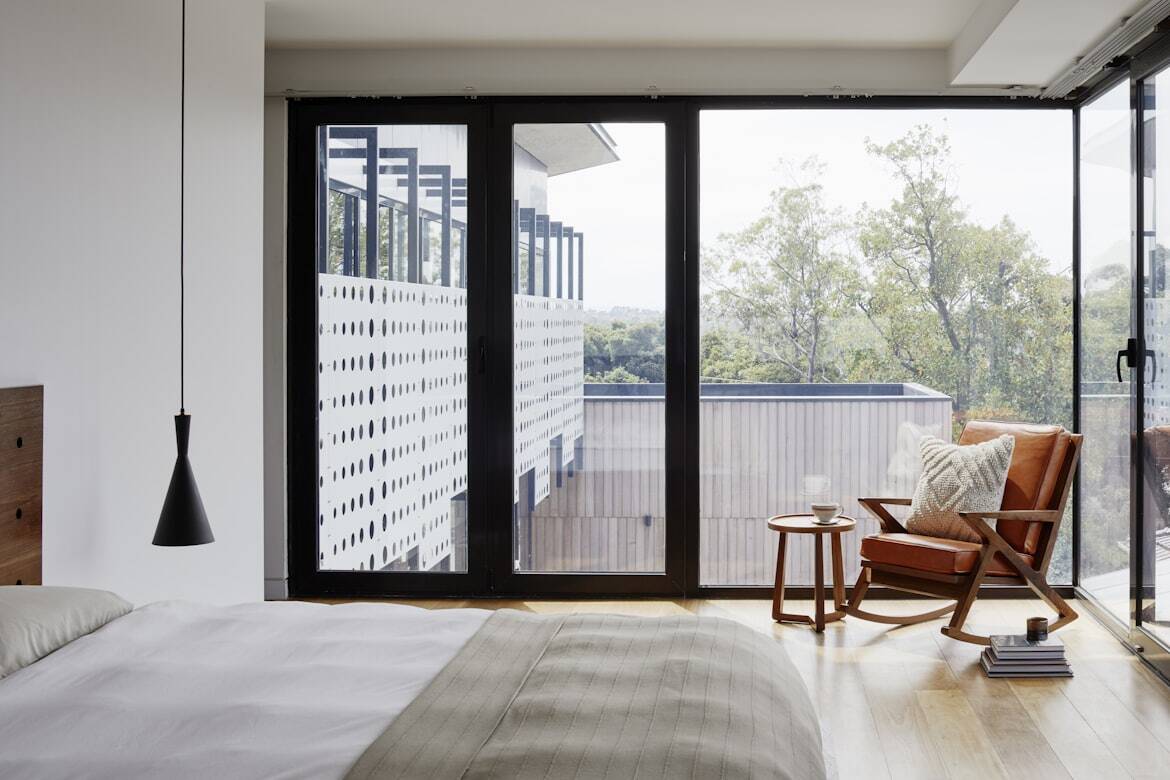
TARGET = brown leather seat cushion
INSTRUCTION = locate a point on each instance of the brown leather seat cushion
(931, 553)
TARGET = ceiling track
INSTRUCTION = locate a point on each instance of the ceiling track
(1121, 40)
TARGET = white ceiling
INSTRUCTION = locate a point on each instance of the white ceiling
(1031, 43)
(798, 23)
(680, 46)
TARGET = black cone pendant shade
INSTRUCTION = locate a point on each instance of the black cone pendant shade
(182, 521)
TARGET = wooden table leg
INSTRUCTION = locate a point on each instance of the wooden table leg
(838, 574)
(778, 613)
(778, 591)
(819, 582)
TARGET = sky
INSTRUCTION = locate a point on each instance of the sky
(1005, 162)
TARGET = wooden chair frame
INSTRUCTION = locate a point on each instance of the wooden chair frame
(963, 589)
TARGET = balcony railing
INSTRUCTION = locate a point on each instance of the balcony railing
(766, 449)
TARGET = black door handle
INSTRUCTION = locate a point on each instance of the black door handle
(1152, 356)
(1130, 354)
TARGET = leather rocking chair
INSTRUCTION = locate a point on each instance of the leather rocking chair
(1016, 545)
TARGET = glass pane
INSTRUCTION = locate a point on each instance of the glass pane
(1106, 315)
(870, 277)
(392, 346)
(589, 287)
(1155, 607)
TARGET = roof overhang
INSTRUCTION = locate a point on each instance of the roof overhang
(564, 148)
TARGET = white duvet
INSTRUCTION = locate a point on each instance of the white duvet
(178, 690)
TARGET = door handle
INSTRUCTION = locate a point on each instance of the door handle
(1152, 356)
(1130, 353)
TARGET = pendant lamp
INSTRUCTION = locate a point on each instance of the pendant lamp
(183, 521)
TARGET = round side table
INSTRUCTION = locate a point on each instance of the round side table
(806, 524)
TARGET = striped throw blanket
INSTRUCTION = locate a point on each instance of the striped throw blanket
(604, 696)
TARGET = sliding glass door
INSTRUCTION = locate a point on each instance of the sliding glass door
(594, 237)
(869, 277)
(589, 432)
(392, 348)
(390, 312)
(486, 386)
(1152, 541)
(1124, 351)
(1106, 324)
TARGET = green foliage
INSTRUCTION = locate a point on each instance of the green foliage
(785, 278)
(729, 356)
(963, 308)
(625, 352)
(618, 375)
(916, 292)
(336, 225)
(1105, 313)
(1105, 408)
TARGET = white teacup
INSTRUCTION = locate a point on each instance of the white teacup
(826, 514)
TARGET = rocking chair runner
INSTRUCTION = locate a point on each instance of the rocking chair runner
(1017, 541)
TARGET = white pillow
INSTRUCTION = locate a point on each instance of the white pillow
(35, 620)
(958, 478)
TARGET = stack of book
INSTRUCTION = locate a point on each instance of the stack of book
(1014, 656)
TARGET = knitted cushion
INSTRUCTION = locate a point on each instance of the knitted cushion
(958, 478)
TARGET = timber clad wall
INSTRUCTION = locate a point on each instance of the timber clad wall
(609, 515)
(760, 456)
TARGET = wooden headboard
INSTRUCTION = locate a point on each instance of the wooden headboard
(21, 449)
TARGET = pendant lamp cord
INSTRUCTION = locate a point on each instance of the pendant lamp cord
(182, 214)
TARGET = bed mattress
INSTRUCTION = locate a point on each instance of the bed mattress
(271, 690)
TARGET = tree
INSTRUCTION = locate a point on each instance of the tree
(1106, 298)
(916, 250)
(625, 352)
(783, 280)
(618, 375)
(727, 355)
(964, 308)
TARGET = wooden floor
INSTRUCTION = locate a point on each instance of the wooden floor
(909, 703)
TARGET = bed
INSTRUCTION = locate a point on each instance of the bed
(92, 688)
(300, 690)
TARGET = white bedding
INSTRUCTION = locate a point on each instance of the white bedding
(178, 690)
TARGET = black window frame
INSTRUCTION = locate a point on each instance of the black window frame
(488, 241)
(303, 226)
(507, 113)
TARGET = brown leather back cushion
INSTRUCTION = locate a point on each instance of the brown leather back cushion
(1037, 461)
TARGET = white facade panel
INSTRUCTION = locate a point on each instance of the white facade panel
(392, 389)
(548, 382)
(393, 420)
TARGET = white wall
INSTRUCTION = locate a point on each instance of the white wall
(89, 286)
